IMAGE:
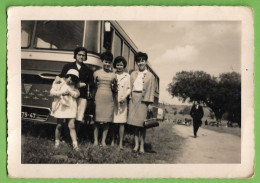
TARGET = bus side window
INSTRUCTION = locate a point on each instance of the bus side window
(126, 55)
(108, 36)
(117, 46)
(131, 61)
(157, 85)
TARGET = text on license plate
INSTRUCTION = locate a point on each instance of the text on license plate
(31, 115)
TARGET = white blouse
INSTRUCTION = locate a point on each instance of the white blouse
(138, 83)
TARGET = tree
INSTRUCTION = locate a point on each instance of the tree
(186, 110)
(222, 94)
(232, 83)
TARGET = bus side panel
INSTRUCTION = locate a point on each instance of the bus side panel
(37, 78)
(42, 65)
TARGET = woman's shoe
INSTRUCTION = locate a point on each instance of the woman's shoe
(134, 151)
(141, 152)
(75, 148)
(57, 144)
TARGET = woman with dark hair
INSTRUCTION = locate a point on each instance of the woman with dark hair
(85, 84)
(80, 49)
(142, 96)
(105, 81)
(120, 108)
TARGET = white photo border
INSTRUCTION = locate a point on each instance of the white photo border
(195, 13)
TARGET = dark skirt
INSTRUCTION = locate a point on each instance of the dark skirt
(137, 110)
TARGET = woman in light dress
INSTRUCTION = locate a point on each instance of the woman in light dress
(120, 107)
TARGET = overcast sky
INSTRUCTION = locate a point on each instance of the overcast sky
(213, 47)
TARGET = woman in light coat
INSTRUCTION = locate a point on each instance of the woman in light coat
(143, 87)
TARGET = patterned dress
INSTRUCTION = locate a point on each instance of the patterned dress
(104, 98)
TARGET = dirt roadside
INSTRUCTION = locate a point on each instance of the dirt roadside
(208, 147)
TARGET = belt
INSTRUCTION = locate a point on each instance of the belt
(138, 91)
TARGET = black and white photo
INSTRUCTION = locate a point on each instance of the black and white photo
(118, 91)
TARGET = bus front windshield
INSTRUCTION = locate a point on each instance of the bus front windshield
(26, 33)
(61, 35)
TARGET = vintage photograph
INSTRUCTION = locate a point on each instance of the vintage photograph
(134, 92)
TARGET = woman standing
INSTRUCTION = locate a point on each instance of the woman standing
(142, 84)
(120, 109)
(104, 80)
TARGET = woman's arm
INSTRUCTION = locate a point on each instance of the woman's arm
(64, 71)
(91, 83)
(74, 93)
(128, 88)
(55, 89)
(94, 87)
(128, 91)
(150, 90)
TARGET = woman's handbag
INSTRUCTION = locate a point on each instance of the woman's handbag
(150, 123)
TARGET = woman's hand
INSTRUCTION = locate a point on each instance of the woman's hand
(149, 105)
(122, 100)
(66, 93)
(80, 85)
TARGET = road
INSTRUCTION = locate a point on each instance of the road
(208, 147)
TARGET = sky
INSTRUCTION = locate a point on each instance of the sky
(174, 46)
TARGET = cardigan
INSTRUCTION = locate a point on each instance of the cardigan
(148, 85)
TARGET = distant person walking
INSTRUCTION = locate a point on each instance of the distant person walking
(197, 114)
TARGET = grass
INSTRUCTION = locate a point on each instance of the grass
(162, 146)
(222, 129)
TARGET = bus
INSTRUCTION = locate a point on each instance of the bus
(46, 46)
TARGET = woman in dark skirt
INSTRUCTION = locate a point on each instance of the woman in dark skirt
(142, 95)
(104, 100)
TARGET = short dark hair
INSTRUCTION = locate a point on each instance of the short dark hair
(74, 78)
(107, 55)
(141, 55)
(118, 60)
(78, 49)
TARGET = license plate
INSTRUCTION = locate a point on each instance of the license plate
(27, 115)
